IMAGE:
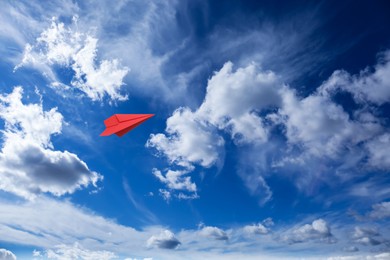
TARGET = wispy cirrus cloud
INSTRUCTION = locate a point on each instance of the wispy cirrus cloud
(145, 41)
(146, 213)
(23, 20)
(45, 223)
(61, 229)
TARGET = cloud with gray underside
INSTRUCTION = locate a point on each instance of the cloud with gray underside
(29, 164)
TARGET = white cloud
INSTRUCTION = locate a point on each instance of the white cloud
(231, 104)
(344, 258)
(146, 35)
(256, 229)
(62, 228)
(156, 40)
(45, 223)
(146, 258)
(182, 196)
(314, 121)
(318, 230)
(321, 126)
(67, 47)
(36, 253)
(214, 233)
(379, 156)
(175, 180)
(367, 236)
(21, 21)
(76, 251)
(52, 225)
(249, 104)
(189, 140)
(380, 256)
(367, 86)
(29, 165)
(165, 240)
(254, 181)
(268, 222)
(146, 213)
(380, 210)
(351, 249)
(234, 97)
(166, 195)
(6, 254)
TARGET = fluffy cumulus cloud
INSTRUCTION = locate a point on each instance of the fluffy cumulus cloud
(189, 140)
(175, 180)
(367, 236)
(234, 98)
(166, 240)
(213, 233)
(316, 122)
(6, 254)
(29, 165)
(64, 46)
(232, 104)
(367, 86)
(256, 229)
(252, 106)
(318, 230)
(378, 153)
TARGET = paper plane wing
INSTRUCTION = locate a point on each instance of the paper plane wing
(120, 124)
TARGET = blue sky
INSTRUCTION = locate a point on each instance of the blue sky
(270, 138)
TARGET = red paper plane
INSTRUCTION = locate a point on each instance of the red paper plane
(120, 124)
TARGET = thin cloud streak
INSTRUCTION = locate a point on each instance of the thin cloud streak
(146, 213)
